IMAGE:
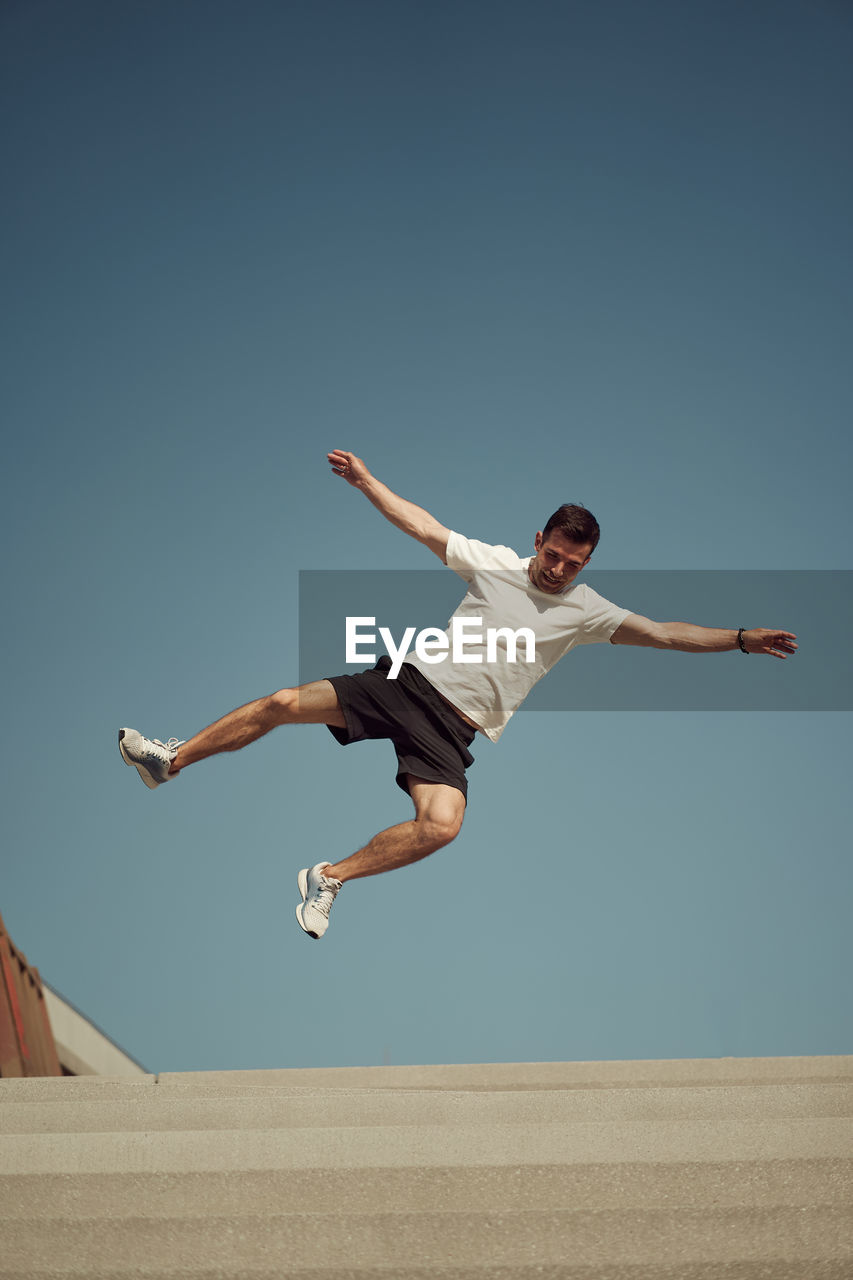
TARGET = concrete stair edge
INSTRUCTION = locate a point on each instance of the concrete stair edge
(720, 1169)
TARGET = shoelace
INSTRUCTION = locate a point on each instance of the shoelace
(322, 898)
(171, 746)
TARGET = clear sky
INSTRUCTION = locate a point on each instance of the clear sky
(511, 254)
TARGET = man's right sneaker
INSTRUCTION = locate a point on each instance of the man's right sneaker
(318, 893)
(151, 757)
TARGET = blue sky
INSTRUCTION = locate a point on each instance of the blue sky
(511, 255)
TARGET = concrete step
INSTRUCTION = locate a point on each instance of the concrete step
(777, 1269)
(278, 1108)
(503, 1076)
(38, 1089)
(393, 1241)
(467, 1077)
(718, 1170)
(247, 1192)
(461, 1145)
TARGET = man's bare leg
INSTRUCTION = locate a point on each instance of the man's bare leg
(439, 810)
(315, 703)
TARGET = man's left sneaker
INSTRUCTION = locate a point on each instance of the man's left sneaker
(152, 758)
(318, 893)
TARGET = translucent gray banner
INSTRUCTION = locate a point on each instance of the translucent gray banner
(815, 604)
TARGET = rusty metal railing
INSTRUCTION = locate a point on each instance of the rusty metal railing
(27, 1047)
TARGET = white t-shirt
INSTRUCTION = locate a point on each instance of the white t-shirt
(501, 594)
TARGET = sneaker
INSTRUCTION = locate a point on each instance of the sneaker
(151, 757)
(318, 894)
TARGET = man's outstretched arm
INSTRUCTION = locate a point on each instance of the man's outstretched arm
(688, 638)
(405, 515)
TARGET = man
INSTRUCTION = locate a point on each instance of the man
(434, 708)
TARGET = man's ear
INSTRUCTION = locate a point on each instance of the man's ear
(537, 542)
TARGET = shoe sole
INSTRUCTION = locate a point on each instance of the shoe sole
(146, 777)
(310, 932)
(302, 883)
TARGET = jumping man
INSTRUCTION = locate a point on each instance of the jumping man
(433, 709)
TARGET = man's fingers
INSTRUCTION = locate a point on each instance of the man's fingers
(340, 461)
(785, 640)
(779, 644)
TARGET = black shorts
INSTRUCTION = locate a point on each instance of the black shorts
(430, 738)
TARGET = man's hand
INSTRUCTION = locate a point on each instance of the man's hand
(413, 520)
(762, 640)
(349, 467)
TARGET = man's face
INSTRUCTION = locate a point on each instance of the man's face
(557, 562)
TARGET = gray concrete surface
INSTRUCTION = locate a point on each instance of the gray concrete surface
(725, 1169)
(538, 1075)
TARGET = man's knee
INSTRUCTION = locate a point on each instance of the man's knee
(314, 703)
(441, 825)
(439, 810)
(284, 704)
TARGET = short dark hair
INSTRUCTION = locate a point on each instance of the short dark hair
(575, 523)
